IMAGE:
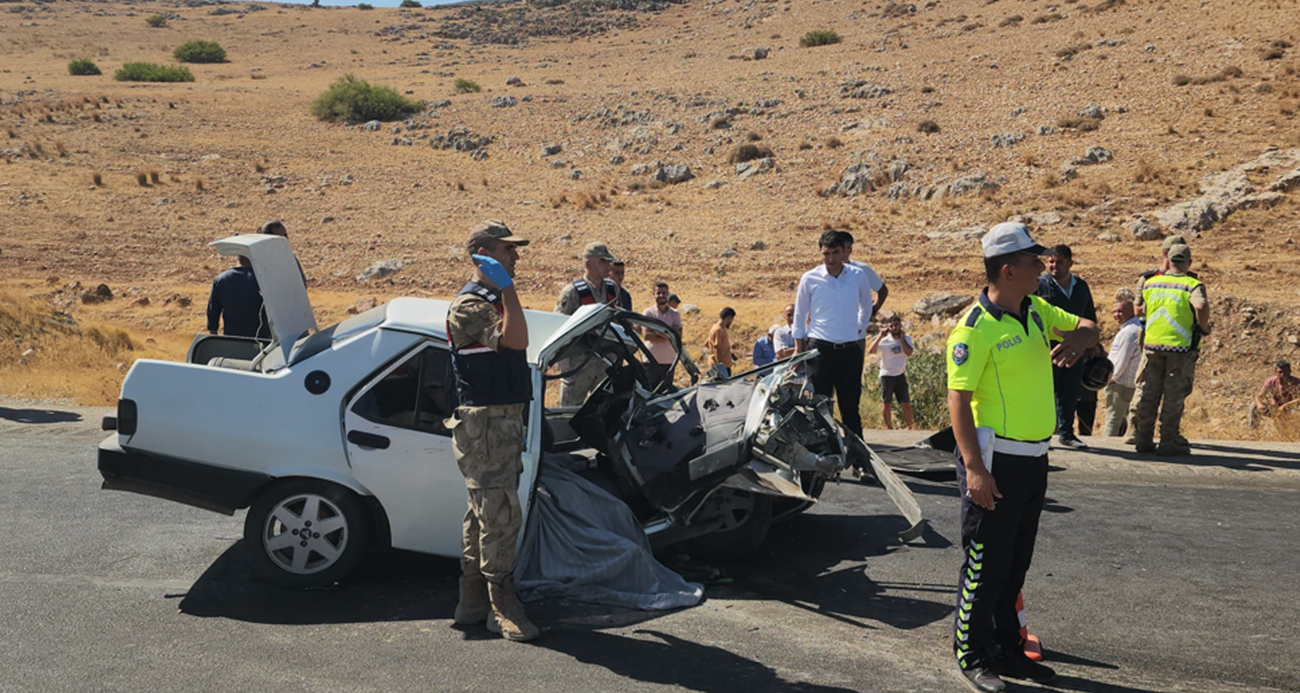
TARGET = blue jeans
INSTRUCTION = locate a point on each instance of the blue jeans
(1068, 383)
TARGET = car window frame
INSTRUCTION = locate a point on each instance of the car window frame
(379, 375)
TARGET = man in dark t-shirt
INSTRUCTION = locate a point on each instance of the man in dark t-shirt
(237, 299)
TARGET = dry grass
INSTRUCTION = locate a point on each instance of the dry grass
(85, 362)
(98, 179)
(154, 176)
(142, 178)
(1145, 172)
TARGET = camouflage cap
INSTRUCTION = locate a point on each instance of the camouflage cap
(492, 230)
(1180, 254)
(1171, 241)
(599, 250)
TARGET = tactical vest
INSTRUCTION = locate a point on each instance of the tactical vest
(1170, 319)
(585, 295)
(485, 377)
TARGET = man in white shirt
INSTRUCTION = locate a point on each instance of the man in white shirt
(832, 307)
(1125, 355)
(894, 348)
(783, 338)
(877, 284)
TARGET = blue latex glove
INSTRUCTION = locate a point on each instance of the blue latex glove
(494, 271)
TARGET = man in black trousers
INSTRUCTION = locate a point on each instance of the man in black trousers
(1069, 292)
(832, 306)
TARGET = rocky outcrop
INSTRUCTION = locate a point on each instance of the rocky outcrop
(942, 304)
(1225, 192)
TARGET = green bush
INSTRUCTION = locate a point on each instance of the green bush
(152, 72)
(357, 101)
(156, 21)
(410, 4)
(200, 52)
(927, 382)
(466, 86)
(819, 37)
(83, 66)
(365, 6)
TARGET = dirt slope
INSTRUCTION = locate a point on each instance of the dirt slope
(1185, 89)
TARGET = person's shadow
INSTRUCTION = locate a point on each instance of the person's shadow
(38, 416)
(673, 661)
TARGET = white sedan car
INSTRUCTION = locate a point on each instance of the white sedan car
(334, 439)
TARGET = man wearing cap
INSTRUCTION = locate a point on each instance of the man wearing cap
(1165, 245)
(489, 339)
(832, 309)
(1001, 404)
(593, 288)
(1177, 314)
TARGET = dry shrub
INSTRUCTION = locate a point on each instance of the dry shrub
(1050, 179)
(259, 168)
(805, 145)
(720, 123)
(1229, 72)
(834, 143)
(1105, 5)
(929, 127)
(1013, 20)
(199, 184)
(1073, 50)
(1263, 88)
(585, 201)
(1287, 108)
(485, 183)
(58, 147)
(39, 148)
(98, 179)
(558, 201)
(460, 185)
(10, 132)
(555, 81)
(747, 152)
(1145, 173)
(112, 340)
(1045, 18)
(154, 176)
(142, 178)
(753, 137)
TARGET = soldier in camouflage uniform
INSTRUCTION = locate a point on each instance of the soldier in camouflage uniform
(594, 287)
(1177, 314)
(488, 336)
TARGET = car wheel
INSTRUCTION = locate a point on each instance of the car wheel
(746, 517)
(306, 533)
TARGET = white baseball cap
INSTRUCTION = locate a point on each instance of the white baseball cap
(1011, 237)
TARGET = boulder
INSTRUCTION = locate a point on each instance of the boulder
(760, 53)
(942, 304)
(381, 269)
(673, 173)
(1093, 111)
(372, 126)
(689, 309)
(551, 149)
(751, 168)
(1143, 231)
(1007, 139)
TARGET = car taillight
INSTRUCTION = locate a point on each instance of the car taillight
(126, 417)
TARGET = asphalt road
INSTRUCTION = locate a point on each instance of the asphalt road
(1149, 576)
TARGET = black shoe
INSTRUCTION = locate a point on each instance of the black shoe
(982, 679)
(1019, 667)
(1072, 442)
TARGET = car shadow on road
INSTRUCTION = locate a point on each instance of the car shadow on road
(660, 658)
(389, 586)
(816, 562)
(38, 416)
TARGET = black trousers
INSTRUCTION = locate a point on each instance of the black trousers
(1068, 383)
(997, 547)
(839, 371)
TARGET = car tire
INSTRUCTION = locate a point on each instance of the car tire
(279, 521)
(749, 526)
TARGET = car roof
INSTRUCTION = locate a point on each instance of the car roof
(427, 316)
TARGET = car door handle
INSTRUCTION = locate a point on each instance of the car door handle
(368, 440)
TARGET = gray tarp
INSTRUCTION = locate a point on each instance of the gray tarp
(583, 543)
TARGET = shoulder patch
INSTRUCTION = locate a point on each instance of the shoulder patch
(973, 316)
(960, 352)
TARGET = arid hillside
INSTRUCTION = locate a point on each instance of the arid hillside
(699, 139)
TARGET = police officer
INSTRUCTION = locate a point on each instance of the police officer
(1177, 314)
(1002, 407)
(594, 287)
(488, 337)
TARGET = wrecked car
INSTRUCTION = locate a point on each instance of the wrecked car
(335, 441)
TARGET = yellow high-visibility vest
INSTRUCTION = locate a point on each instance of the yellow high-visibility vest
(1170, 317)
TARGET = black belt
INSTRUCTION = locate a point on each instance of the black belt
(823, 344)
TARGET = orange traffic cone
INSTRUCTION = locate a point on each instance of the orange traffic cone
(1033, 648)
